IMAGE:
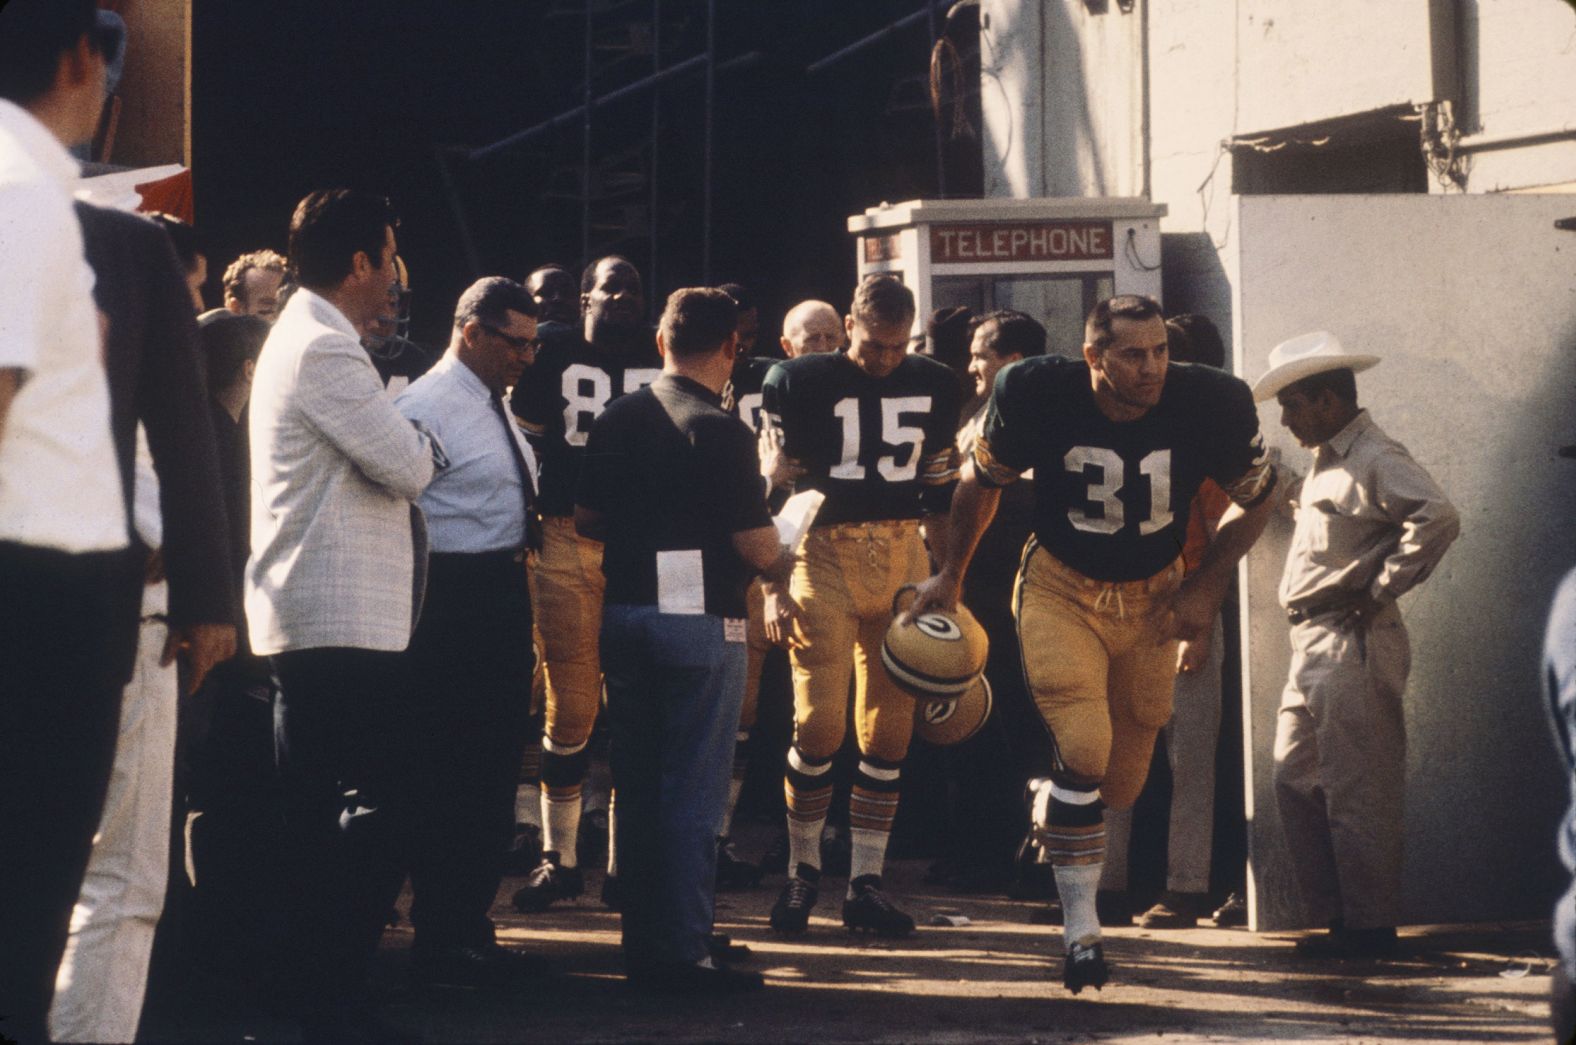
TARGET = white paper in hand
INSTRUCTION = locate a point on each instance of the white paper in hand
(794, 521)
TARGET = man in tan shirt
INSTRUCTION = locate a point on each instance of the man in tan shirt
(1371, 525)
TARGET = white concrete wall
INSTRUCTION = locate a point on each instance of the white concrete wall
(1477, 302)
(1469, 303)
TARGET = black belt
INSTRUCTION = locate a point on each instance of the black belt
(1306, 613)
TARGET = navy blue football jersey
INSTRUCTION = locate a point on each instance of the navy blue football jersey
(744, 389)
(561, 395)
(1112, 497)
(879, 448)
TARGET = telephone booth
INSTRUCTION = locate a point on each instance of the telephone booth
(1050, 258)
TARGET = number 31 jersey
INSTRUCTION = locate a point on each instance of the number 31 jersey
(879, 448)
(561, 395)
(1112, 497)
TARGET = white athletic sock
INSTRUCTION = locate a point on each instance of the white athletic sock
(868, 856)
(804, 843)
(1077, 885)
(561, 827)
(528, 804)
(612, 836)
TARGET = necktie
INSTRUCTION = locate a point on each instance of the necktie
(533, 528)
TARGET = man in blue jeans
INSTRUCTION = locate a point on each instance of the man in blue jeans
(671, 484)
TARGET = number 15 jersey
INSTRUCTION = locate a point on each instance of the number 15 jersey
(1112, 497)
(561, 395)
(879, 448)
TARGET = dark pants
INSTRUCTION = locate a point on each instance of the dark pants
(674, 687)
(469, 667)
(342, 731)
(68, 626)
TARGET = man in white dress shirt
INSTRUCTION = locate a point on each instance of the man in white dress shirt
(62, 519)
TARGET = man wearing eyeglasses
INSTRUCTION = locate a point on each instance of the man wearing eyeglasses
(469, 662)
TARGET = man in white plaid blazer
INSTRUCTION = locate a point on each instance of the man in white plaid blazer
(333, 589)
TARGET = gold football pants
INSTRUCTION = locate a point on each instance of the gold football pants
(845, 583)
(566, 598)
(757, 646)
(1100, 675)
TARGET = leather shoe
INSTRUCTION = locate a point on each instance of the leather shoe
(1341, 943)
(473, 968)
(1173, 911)
(681, 978)
(1232, 913)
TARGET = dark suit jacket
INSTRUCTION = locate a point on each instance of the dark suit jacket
(156, 376)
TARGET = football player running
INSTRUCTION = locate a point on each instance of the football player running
(1119, 442)
(576, 374)
(873, 430)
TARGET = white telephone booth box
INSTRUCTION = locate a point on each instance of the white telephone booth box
(1050, 258)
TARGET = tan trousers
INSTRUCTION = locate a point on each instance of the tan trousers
(566, 599)
(845, 583)
(1100, 675)
(1340, 768)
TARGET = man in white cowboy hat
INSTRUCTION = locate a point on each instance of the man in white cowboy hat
(1371, 525)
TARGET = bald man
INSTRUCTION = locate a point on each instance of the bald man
(812, 326)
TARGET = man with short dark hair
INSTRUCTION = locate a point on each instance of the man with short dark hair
(1118, 443)
(671, 484)
(749, 317)
(873, 429)
(63, 521)
(332, 591)
(1371, 525)
(469, 662)
(576, 375)
(252, 284)
(553, 289)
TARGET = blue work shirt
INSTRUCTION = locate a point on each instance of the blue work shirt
(476, 504)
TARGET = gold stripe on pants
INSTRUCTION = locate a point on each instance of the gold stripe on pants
(845, 583)
(1100, 676)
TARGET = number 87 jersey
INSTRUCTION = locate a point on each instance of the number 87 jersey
(879, 448)
(1111, 498)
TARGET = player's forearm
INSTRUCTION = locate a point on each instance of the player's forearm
(762, 549)
(1239, 529)
(973, 508)
(590, 524)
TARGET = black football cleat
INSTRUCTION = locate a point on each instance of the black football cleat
(872, 911)
(791, 912)
(550, 881)
(1085, 966)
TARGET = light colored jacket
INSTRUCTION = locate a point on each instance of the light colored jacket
(338, 547)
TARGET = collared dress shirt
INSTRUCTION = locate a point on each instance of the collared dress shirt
(1369, 519)
(59, 478)
(478, 503)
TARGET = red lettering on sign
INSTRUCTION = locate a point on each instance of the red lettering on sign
(1020, 241)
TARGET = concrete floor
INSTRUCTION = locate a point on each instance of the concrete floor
(990, 980)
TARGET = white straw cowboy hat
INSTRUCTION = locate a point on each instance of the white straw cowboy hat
(1304, 356)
